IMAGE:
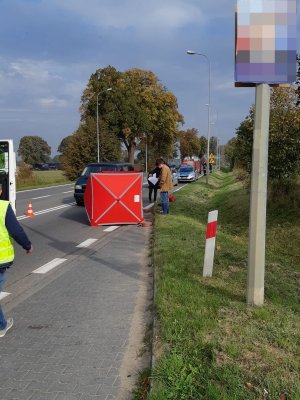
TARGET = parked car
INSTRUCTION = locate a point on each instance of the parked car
(187, 173)
(54, 165)
(41, 166)
(81, 182)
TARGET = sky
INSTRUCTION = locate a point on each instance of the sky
(50, 48)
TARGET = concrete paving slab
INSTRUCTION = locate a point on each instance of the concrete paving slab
(79, 336)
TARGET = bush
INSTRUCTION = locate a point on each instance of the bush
(284, 191)
(24, 173)
(241, 175)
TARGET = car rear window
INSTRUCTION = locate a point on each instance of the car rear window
(92, 169)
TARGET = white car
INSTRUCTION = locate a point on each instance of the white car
(187, 173)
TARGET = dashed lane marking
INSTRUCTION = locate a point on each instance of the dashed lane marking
(3, 294)
(69, 191)
(111, 228)
(47, 210)
(50, 265)
(43, 188)
(87, 243)
(41, 197)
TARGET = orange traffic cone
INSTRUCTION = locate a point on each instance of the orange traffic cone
(30, 211)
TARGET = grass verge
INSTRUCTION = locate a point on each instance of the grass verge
(210, 344)
(42, 179)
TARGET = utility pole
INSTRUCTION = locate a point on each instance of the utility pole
(258, 197)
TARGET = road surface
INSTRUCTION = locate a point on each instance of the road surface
(81, 304)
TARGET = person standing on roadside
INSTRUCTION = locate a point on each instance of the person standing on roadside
(9, 227)
(165, 184)
(153, 187)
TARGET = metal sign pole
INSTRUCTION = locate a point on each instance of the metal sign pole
(258, 197)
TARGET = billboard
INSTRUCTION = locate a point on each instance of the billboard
(265, 46)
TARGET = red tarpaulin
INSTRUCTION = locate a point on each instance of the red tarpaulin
(114, 198)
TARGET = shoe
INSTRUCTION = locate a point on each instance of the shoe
(9, 324)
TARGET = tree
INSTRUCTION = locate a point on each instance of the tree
(189, 143)
(63, 144)
(81, 148)
(203, 146)
(284, 147)
(229, 152)
(138, 105)
(34, 149)
(213, 144)
(244, 141)
(298, 81)
(56, 159)
(284, 137)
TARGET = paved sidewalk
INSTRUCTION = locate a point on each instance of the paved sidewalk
(80, 336)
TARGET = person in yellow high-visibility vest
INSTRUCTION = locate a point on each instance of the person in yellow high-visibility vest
(9, 228)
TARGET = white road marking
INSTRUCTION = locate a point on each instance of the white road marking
(181, 187)
(87, 243)
(48, 210)
(149, 206)
(3, 294)
(111, 228)
(69, 191)
(42, 188)
(50, 265)
(41, 197)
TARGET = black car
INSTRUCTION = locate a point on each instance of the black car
(41, 166)
(81, 182)
(54, 165)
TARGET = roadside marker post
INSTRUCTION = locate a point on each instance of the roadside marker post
(211, 233)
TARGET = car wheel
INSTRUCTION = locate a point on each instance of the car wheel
(79, 202)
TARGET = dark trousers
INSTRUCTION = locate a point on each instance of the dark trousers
(151, 190)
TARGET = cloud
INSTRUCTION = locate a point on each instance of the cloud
(52, 102)
(28, 69)
(44, 82)
(123, 14)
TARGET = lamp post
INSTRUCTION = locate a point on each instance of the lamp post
(215, 133)
(97, 122)
(191, 53)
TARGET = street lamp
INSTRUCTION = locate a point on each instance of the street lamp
(191, 53)
(97, 122)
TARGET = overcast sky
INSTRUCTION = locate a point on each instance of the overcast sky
(49, 49)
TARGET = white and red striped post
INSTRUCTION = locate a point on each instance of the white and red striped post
(211, 233)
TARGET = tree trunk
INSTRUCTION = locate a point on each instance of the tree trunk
(131, 150)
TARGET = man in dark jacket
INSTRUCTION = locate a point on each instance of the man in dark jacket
(9, 228)
(153, 187)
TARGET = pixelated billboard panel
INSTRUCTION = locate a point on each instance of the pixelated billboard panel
(265, 41)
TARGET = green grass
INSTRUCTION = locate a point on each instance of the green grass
(42, 179)
(212, 345)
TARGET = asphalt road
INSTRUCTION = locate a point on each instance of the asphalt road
(58, 227)
(80, 312)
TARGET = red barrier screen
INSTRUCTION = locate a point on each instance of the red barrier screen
(114, 198)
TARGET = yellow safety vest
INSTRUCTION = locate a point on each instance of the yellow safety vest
(7, 253)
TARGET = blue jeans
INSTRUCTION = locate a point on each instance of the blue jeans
(164, 202)
(2, 319)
